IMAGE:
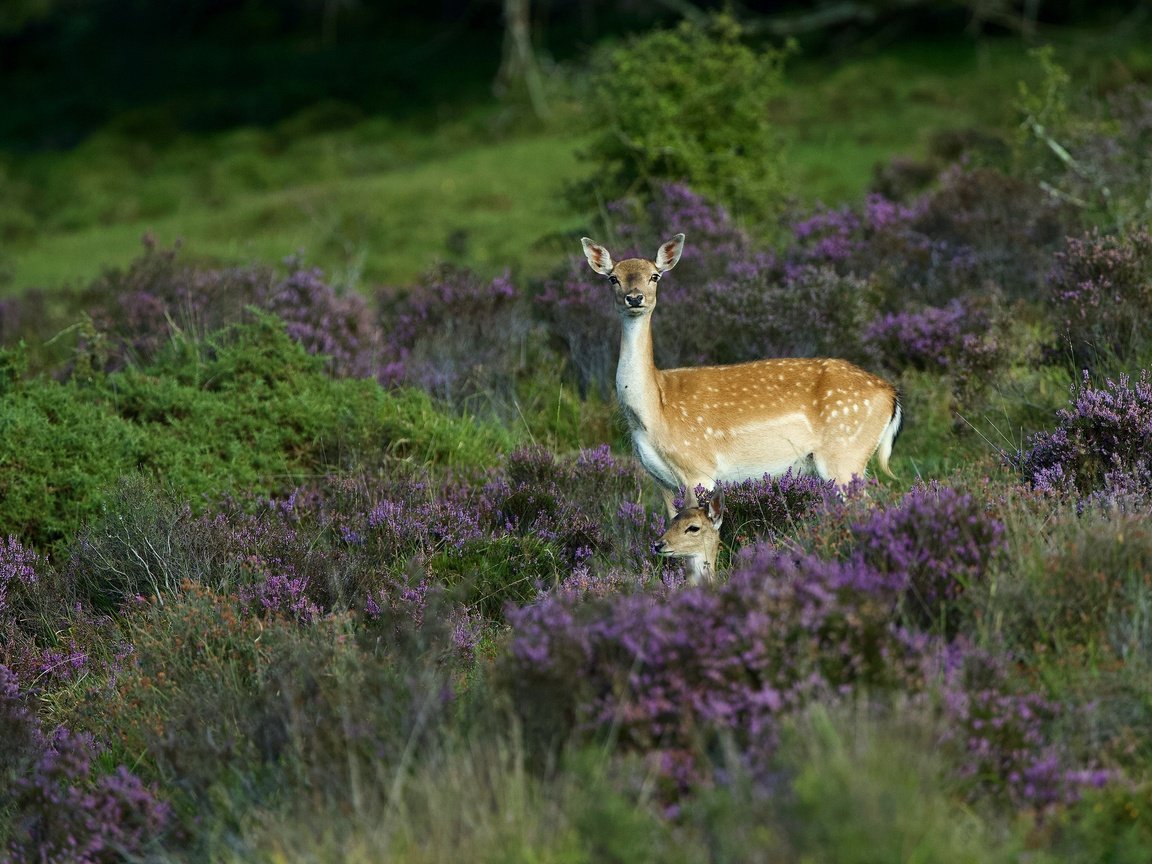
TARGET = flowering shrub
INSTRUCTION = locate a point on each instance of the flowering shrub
(666, 676)
(933, 545)
(979, 226)
(17, 570)
(64, 811)
(569, 504)
(141, 308)
(1101, 292)
(959, 337)
(57, 805)
(456, 335)
(1003, 738)
(1101, 447)
(757, 509)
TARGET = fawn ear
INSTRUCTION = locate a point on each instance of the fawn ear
(598, 257)
(669, 253)
(715, 507)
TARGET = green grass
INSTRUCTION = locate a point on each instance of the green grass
(377, 202)
(484, 207)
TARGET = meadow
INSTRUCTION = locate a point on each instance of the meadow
(321, 538)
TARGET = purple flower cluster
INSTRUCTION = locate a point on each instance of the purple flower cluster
(568, 503)
(978, 226)
(456, 335)
(17, 570)
(1003, 738)
(773, 506)
(59, 806)
(933, 545)
(1101, 290)
(138, 310)
(667, 676)
(959, 337)
(1101, 447)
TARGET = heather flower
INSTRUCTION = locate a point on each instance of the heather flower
(1101, 292)
(457, 335)
(142, 308)
(773, 506)
(63, 810)
(977, 227)
(669, 674)
(1101, 446)
(17, 570)
(959, 337)
(1003, 738)
(933, 545)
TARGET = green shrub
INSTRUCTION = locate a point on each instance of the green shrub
(492, 571)
(246, 412)
(690, 105)
(62, 448)
(1113, 824)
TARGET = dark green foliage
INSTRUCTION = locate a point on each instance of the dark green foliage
(247, 411)
(490, 572)
(690, 105)
(1112, 825)
(62, 448)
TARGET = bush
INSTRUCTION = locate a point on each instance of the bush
(690, 104)
(57, 804)
(1002, 738)
(979, 226)
(457, 336)
(934, 545)
(1101, 447)
(666, 677)
(158, 297)
(772, 506)
(246, 412)
(1101, 293)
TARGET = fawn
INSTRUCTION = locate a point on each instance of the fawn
(695, 534)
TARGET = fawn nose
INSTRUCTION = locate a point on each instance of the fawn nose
(658, 546)
(634, 300)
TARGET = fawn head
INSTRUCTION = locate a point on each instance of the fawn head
(634, 280)
(695, 534)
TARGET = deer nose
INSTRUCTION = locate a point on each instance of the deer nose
(658, 546)
(634, 300)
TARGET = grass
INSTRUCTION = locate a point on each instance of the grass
(482, 207)
(377, 202)
(373, 202)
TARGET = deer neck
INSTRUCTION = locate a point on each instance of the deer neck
(637, 381)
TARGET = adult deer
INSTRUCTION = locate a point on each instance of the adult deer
(694, 534)
(700, 425)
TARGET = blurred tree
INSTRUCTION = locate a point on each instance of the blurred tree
(520, 66)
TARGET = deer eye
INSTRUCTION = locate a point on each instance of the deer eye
(613, 280)
(655, 277)
(692, 529)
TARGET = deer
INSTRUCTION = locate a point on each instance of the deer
(694, 533)
(700, 425)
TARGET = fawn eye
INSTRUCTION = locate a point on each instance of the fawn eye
(692, 529)
(613, 280)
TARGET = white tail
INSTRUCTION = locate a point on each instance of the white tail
(697, 426)
(695, 534)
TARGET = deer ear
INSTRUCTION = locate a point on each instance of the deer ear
(716, 507)
(598, 257)
(669, 253)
